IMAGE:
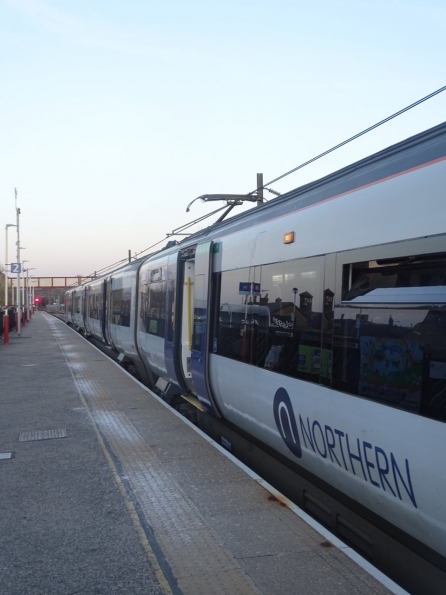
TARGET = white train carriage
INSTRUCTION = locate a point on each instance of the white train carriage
(94, 311)
(120, 312)
(151, 322)
(78, 307)
(69, 306)
(346, 375)
(317, 325)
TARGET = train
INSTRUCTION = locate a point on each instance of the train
(315, 324)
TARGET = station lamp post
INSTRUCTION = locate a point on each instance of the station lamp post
(19, 287)
(28, 301)
(24, 292)
(32, 293)
(7, 263)
(19, 305)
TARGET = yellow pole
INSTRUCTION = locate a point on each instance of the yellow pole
(189, 314)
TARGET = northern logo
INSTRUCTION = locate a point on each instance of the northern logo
(286, 421)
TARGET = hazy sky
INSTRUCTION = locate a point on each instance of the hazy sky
(115, 115)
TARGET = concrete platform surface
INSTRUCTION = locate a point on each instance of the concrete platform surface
(108, 491)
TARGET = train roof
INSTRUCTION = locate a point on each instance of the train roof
(412, 152)
(124, 268)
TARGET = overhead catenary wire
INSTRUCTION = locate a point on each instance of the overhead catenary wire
(338, 146)
(177, 231)
(122, 261)
(398, 113)
(100, 272)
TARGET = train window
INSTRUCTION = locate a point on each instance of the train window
(95, 306)
(120, 306)
(199, 314)
(126, 306)
(99, 305)
(170, 312)
(291, 342)
(367, 279)
(236, 332)
(116, 305)
(277, 317)
(390, 335)
(153, 308)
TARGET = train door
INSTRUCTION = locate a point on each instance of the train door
(171, 316)
(104, 293)
(84, 308)
(188, 268)
(195, 269)
(107, 311)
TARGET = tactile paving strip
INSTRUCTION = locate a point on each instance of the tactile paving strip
(199, 561)
(42, 435)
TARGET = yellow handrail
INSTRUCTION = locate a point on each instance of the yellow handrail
(189, 314)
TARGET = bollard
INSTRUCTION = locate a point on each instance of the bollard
(23, 318)
(6, 327)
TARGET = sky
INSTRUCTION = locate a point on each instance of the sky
(115, 115)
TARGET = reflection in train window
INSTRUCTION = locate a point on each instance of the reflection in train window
(170, 313)
(120, 306)
(69, 303)
(153, 308)
(415, 271)
(95, 305)
(394, 352)
(281, 318)
(237, 317)
(291, 344)
(277, 317)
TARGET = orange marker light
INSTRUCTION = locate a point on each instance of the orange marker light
(288, 238)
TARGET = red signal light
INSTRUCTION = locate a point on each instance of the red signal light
(37, 300)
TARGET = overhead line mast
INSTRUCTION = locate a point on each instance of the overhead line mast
(19, 297)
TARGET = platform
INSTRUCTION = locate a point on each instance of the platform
(108, 491)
